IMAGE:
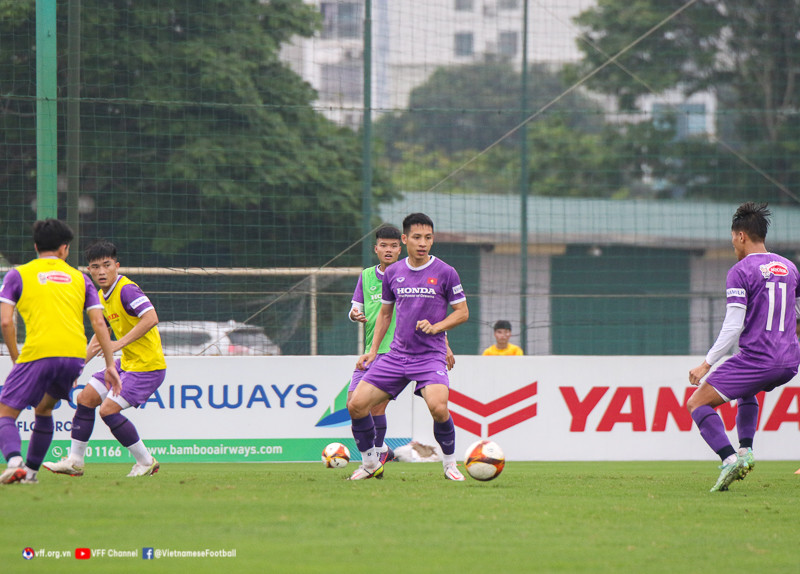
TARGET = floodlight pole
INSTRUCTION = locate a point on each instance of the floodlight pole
(366, 131)
(46, 111)
(74, 126)
(523, 190)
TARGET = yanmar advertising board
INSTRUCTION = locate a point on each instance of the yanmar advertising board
(256, 409)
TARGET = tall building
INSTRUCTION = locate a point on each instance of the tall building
(412, 38)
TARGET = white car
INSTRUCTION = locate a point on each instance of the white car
(215, 338)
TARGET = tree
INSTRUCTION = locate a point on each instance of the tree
(746, 51)
(199, 145)
(562, 162)
(472, 106)
(460, 113)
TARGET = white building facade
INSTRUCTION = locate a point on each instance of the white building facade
(412, 38)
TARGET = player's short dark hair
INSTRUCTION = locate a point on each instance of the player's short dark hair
(753, 219)
(50, 234)
(502, 324)
(387, 231)
(416, 219)
(100, 250)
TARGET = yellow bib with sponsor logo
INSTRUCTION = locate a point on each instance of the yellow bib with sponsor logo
(143, 354)
(51, 305)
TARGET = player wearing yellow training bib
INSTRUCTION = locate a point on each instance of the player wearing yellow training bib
(50, 297)
(133, 319)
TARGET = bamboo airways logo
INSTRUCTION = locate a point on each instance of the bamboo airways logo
(336, 415)
(486, 411)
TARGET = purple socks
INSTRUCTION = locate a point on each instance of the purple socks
(10, 441)
(445, 434)
(746, 421)
(41, 437)
(713, 431)
(122, 429)
(380, 429)
(364, 433)
(83, 423)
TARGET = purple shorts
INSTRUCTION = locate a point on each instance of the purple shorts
(137, 386)
(737, 378)
(358, 374)
(393, 371)
(27, 383)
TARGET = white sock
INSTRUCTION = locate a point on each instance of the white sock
(30, 473)
(730, 459)
(742, 451)
(383, 448)
(77, 451)
(370, 458)
(448, 459)
(139, 452)
(14, 461)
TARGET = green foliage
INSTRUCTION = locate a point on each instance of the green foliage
(199, 146)
(461, 133)
(743, 51)
(470, 107)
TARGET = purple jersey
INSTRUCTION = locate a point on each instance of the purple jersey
(766, 285)
(420, 293)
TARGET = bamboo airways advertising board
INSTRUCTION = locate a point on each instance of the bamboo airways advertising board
(281, 409)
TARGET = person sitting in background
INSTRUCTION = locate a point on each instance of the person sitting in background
(502, 333)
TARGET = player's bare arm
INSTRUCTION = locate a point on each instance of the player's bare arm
(9, 330)
(98, 321)
(93, 348)
(146, 322)
(459, 315)
(382, 322)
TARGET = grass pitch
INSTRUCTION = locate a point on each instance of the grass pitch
(298, 518)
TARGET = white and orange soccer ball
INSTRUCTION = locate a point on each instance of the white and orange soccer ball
(484, 460)
(335, 455)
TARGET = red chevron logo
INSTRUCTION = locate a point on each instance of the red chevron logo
(495, 406)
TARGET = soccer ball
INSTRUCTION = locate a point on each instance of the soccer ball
(484, 460)
(335, 455)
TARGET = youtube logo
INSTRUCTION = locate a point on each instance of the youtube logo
(83, 553)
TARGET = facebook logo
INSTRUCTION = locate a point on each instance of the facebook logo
(147, 553)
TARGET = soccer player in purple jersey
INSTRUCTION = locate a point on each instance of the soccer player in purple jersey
(365, 304)
(50, 296)
(421, 287)
(763, 291)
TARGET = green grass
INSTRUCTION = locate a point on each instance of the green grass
(293, 518)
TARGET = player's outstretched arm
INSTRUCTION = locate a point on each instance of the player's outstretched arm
(146, 322)
(9, 330)
(104, 338)
(92, 349)
(382, 322)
